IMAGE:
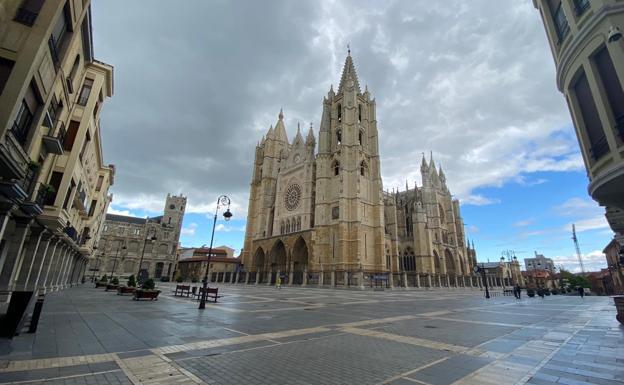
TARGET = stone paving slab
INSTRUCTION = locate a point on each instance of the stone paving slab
(259, 335)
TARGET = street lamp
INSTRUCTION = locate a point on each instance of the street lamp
(147, 238)
(116, 255)
(481, 269)
(221, 201)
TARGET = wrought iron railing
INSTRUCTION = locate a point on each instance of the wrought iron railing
(26, 16)
(580, 6)
(42, 195)
(27, 183)
(599, 148)
(21, 131)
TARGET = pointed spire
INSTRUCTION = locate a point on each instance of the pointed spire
(280, 129)
(310, 138)
(406, 185)
(423, 164)
(431, 162)
(298, 137)
(331, 92)
(348, 75)
(270, 132)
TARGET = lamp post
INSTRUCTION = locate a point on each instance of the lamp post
(97, 264)
(116, 255)
(147, 238)
(223, 200)
(481, 269)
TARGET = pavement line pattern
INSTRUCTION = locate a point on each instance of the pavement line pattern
(46, 363)
(154, 369)
(69, 377)
(414, 341)
(488, 323)
(391, 379)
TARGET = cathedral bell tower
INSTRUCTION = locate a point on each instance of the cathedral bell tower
(349, 209)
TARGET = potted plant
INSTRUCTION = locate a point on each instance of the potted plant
(554, 292)
(179, 279)
(129, 288)
(34, 166)
(531, 293)
(114, 283)
(147, 291)
(102, 282)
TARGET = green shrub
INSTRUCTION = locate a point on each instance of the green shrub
(104, 279)
(554, 292)
(546, 292)
(131, 281)
(148, 285)
(179, 279)
(114, 281)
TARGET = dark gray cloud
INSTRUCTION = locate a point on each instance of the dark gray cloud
(197, 83)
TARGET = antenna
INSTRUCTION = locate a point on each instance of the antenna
(578, 249)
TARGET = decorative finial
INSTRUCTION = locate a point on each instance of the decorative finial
(348, 49)
(281, 114)
(298, 128)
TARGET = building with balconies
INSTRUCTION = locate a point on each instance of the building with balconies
(53, 180)
(586, 42)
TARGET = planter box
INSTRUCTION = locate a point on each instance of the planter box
(121, 290)
(110, 286)
(619, 306)
(146, 294)
(101, 284)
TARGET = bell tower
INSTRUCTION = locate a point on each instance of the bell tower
(349, 208)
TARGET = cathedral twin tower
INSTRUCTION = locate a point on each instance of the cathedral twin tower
(324, 219)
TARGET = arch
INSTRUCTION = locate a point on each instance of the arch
(300, 260)
(359, 114)
(436, 262)
(159, 269)
(336, 167)
(450, 262)
(460, 269)
(259, 259)
(278, 256)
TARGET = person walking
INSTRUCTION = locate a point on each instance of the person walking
(581, 291)
(518, 291)
(278, 282)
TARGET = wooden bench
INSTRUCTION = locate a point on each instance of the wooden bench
(182, 290)
(211, 293)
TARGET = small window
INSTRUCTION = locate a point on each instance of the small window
(335, 212)
(363, 168)
(28, 11)
(339, 112)
(336, 168)
(361, 137)
(85, 92)
(339, 136)
(70, 136)
(359, 113)
(98, 186)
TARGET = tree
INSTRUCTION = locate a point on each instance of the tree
(573, 279)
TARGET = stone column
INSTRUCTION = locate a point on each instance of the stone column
(321, 278)
(5, 214)
(42, 256)
(418, 280)
(12, 262)
(73, 261)
(448, 281)
(345, 278)
(429, 280)
(28, 263)
(61, 270)
(439, 280)
(54, 250)
(405, 279)
(333, 278)
(304, 281)
(258, 273)
(361, 279)
(56, 271)
(269, 274)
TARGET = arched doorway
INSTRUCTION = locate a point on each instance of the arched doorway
(450, 267)
(300, 260)
(159, 270)
(278, 260)
(259, 262)
(436, 262)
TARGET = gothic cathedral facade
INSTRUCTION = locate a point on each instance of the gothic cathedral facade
(323, 217)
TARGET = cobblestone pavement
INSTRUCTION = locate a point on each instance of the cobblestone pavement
(261, 335)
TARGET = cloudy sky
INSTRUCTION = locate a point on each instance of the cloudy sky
(198, 82)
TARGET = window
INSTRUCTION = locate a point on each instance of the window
(589, 114)
(561, 23)
(361, 137)
(23, 120)
(55, 182)
(335, 212)
(70, 189)
(339, 112)
(336, 168)
(363, 168)
(580, 6)
(85, 144)
(98, 186)
(339, 136)
(27, 12)
(612, 86)
(92, 207)
(85, 92)
(359, 113)
(5, 71)
(70, 137)
(58, 34)
(74, 69)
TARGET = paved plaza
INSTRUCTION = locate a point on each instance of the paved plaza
(261, 335)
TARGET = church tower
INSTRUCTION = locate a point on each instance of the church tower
(349, 213)
(174, 212)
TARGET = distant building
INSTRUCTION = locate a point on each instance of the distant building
(503, 273)
(222, 265)
(540, 262)
(539, 279)
(601, 282)
(126, 239)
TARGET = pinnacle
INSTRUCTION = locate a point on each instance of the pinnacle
(348, 73)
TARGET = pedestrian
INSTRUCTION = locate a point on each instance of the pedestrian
(540, 292)
(278, 282)
(581, 291)
(517, 291)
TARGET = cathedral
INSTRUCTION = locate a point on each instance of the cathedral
(320, 216)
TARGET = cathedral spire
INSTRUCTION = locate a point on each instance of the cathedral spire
(298, 137)
(280, 129)
(348, 75)
(310, 138)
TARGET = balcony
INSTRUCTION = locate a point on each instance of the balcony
(71, 232)
(20, 131)
(35, 207)
(25, 16)
(54, 143)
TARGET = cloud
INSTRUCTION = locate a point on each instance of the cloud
(114, 211)
(190, 229)
(592, 261)
(586, 213)
(226, 228)
(524, 223)
(472, 82)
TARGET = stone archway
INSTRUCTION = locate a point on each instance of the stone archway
(436, 262)
(259, 262)
(300, 260)
(450, 262)
(460, 265)
(279, 257)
